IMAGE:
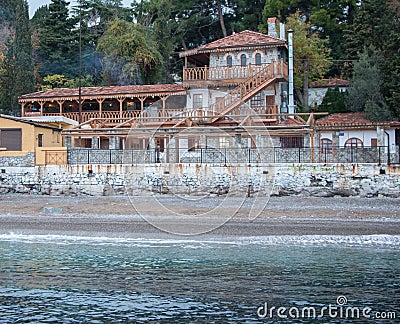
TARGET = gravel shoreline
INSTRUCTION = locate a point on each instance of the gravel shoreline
(118, 216)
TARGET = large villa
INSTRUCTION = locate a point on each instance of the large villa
(234, 94)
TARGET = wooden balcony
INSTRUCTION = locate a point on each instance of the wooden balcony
(225, 75)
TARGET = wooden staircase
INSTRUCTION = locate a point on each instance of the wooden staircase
(276, 71)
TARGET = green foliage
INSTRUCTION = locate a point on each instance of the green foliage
(58, 45)
(377, 24)
(365, 92)
(377, 111)
(16, 72)
(311, 56)
(329, 18)
(130, 52)
(60, 81)
(334, 101)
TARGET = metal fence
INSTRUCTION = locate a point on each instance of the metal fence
(235, 155)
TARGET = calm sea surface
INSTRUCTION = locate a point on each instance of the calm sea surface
(56, 279)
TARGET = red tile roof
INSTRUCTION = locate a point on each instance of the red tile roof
(245, 38)
(330, 83)
(291, 122)
(350, 119)
(111, 91)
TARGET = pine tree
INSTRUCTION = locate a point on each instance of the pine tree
(59, 45)
(365, 93)
(377, 24)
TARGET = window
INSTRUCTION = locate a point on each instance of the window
(11, 139)
(292, 142)
(258, 59)
(243, 60)
(40, 140)
(197, 101)
(326, 145)
(229, 60)
(353, 142)
(224, 142)
(257, 101)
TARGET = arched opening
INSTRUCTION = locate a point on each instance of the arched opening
(229, 61)
(354, 142)
(258, 59)
(243, 60)
(326, 145)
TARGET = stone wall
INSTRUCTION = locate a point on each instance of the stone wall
(27, 160)
(365, 180)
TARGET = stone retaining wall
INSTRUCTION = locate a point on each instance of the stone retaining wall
(365, 180)
(27, 160)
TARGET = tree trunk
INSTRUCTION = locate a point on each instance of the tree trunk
(221, 18)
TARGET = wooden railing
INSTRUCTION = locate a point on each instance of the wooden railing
(56, 157)
(247, 89)
(114, 116)
(220, 73)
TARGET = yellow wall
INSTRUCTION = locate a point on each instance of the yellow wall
(28, 133)
(51, 155)
(52, 140)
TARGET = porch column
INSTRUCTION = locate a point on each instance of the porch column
(121, 102)
(68, 142)
(22, 109)
(380, 140)
(41, 107)
(100, 102)
(171, 151)
(114, 142)
(60, 103)
(142, 99)
(152, 148)
(95, 142)
(163, 99)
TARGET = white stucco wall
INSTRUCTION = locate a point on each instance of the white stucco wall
(317, 95)
(219, 59)
(364, 135)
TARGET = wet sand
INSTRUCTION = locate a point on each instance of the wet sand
(120, 216)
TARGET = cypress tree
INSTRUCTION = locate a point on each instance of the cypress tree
(24, 68)
(17, 75)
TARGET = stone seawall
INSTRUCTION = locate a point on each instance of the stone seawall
(364, 180)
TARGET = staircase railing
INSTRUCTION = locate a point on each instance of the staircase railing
(249, 88)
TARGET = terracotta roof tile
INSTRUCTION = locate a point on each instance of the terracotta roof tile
(291, 122)
(350, 119)
(105, 91)
(245, 38)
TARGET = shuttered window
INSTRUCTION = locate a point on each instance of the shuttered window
(11, 139)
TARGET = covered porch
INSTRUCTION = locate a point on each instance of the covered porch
(116, 103)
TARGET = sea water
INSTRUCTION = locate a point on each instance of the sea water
(59, 279)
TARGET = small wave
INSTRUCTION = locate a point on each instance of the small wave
(392, 241)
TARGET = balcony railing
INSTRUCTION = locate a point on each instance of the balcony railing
(221, 73)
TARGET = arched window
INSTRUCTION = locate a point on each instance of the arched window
(353, 142)
(229, 60)
(326, 145)
(243, 60)
(258, 59)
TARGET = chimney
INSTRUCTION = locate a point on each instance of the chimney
(282, 31)
(272, 27)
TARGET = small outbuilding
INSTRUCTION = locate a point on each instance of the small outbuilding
(26, 143)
